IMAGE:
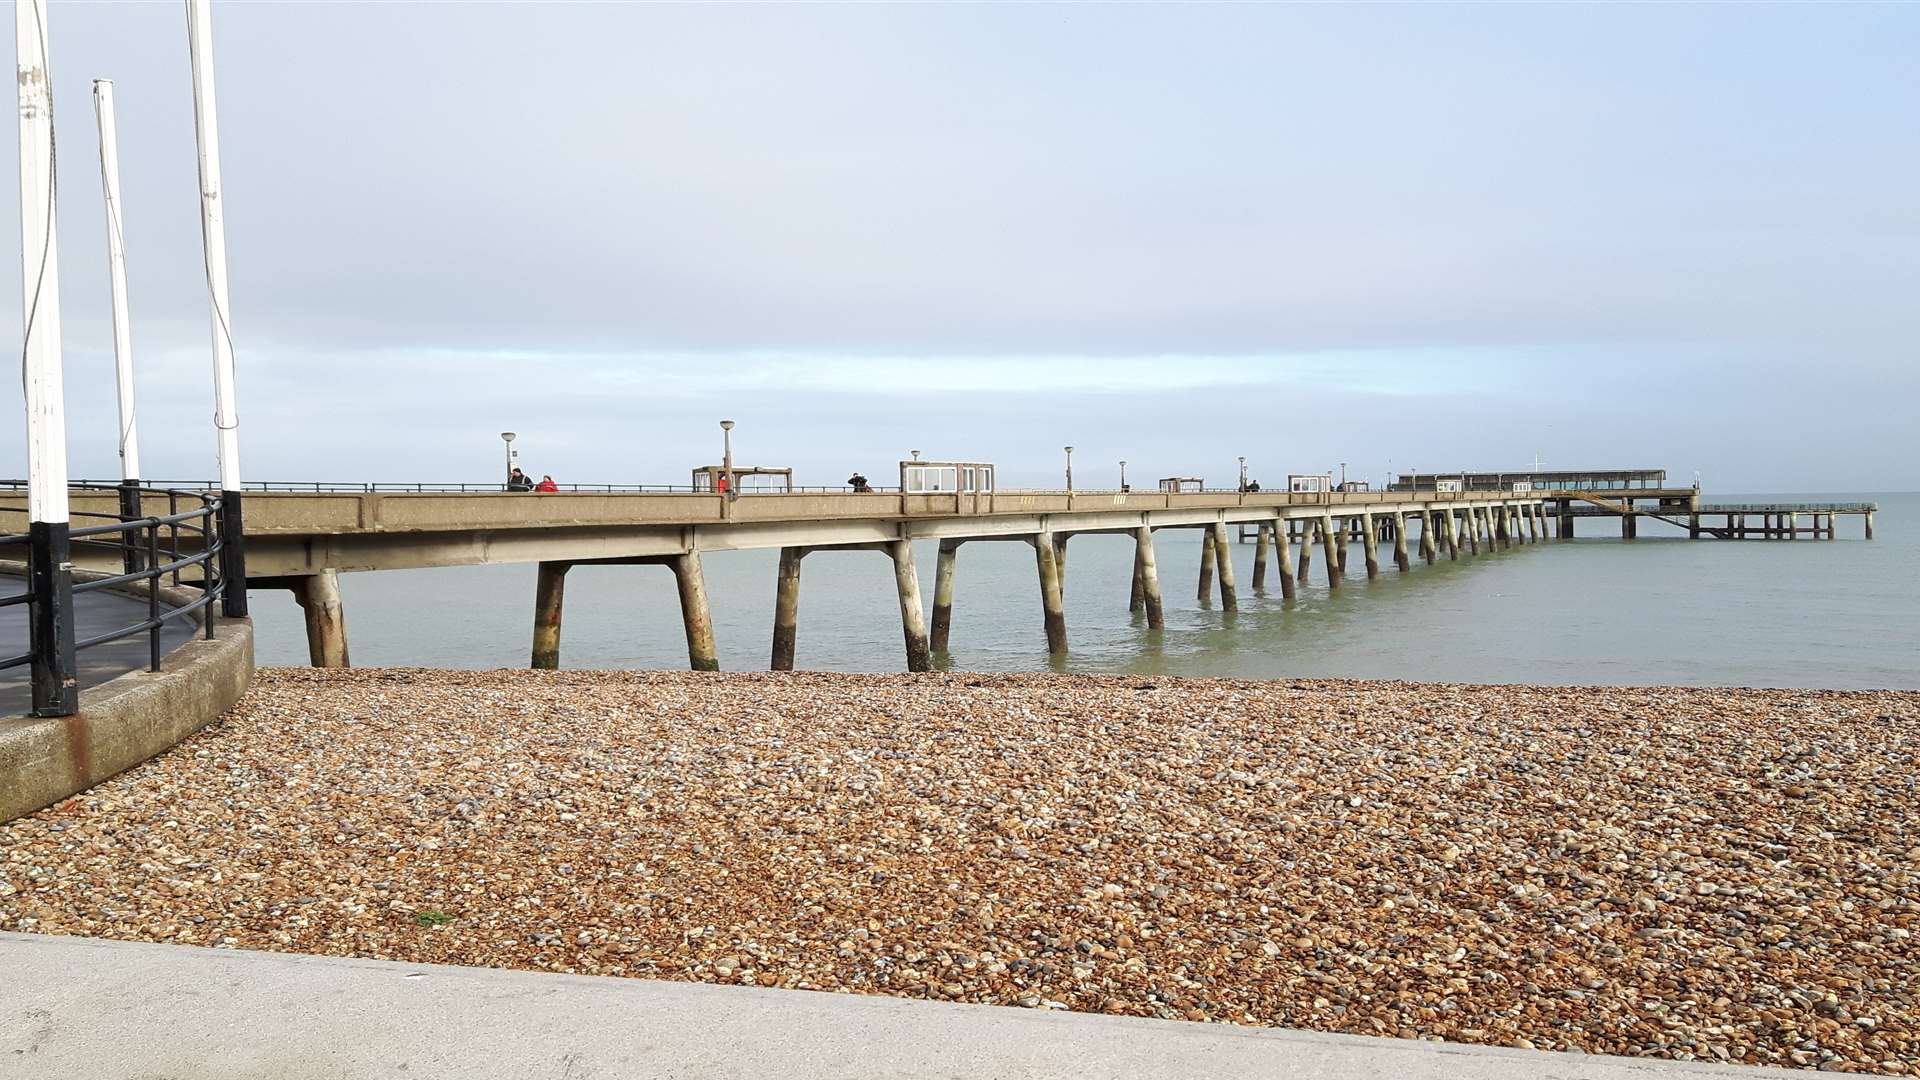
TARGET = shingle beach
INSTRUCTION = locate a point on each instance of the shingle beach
(1712, 874)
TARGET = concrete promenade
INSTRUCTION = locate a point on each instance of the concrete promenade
(95, 612)
(86, 1009)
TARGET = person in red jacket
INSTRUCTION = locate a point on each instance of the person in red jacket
(546, 484)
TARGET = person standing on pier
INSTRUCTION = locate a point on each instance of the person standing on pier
(519, 481)
(546, 484)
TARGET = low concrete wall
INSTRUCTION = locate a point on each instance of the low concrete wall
(126, 721)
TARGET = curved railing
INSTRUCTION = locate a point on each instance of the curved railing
(149, 550)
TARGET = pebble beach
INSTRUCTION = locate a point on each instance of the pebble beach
(1702, 874)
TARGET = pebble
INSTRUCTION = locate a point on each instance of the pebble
(1684, 873)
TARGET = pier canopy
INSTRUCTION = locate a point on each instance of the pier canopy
(1177, 484)
(923, 477)
(1537, 480)
(745, 478)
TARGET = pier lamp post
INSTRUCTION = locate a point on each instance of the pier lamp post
(1123, 474)
(1243, 472)
(1343, 476)
(1069, 470)
(726, 458)
(915, 453)
(508, 437)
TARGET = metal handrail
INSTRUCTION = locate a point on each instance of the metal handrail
(138, 539)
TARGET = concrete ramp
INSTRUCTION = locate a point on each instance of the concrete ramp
(84, 1009)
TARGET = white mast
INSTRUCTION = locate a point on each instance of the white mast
(40, 264)
(117, 273)
(233, 560)
(55, 691)
(214, 238)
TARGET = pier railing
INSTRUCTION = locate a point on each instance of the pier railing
(148, 550)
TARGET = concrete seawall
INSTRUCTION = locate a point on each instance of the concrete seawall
(126, 720)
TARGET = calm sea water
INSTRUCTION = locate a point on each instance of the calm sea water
(1596, 610)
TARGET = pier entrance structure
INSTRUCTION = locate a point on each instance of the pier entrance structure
(1179, 484)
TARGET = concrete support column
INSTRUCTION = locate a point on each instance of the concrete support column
(1793, 526)
(1429, 550)
(1052, 601)
(1369, 544)
(1472, 524)
(1223, 554)
(701, 654)
(1869, 521)
(943, 594)
(786, 608)
(1137, 596)
(1206, 565)
(913, 617)
(1343, 538)
(1060, 558)
(1309, 535)
(1283, 545)
(1335, 562)
(549, 593)
(1148, 576)
(1400, 557)
(319, 599)
(1262, 547)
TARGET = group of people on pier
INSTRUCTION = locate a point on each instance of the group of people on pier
(519, 481)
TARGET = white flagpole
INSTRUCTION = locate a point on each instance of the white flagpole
(51, 622)
(214, 239)
(117, 274)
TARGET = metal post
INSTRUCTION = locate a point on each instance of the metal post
(213, 236)
(49, 559)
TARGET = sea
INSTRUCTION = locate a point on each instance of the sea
(1596, 610)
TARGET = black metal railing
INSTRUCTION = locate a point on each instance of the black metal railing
(180, 547)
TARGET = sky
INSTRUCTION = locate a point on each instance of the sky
(1401, 237)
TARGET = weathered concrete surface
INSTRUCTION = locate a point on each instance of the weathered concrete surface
(84, 1009)
(125, 721)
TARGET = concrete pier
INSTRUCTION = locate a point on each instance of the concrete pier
(913, 617)
(1262, 547)
(943, 594)
(1343, 540)
(1369, 544)
(319, 600)
(1148, 575)
(1223, 555)
(1471, 524)
(1309, 536)
(1336, 565)
(1052, 601)
(1429, 550)
(694, 613)
(1400, 557)
(786, 608)
(549, 597)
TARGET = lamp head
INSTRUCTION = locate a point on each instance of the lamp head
(507, 435)
(726, 425)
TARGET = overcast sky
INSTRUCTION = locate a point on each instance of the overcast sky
(1437, 237)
